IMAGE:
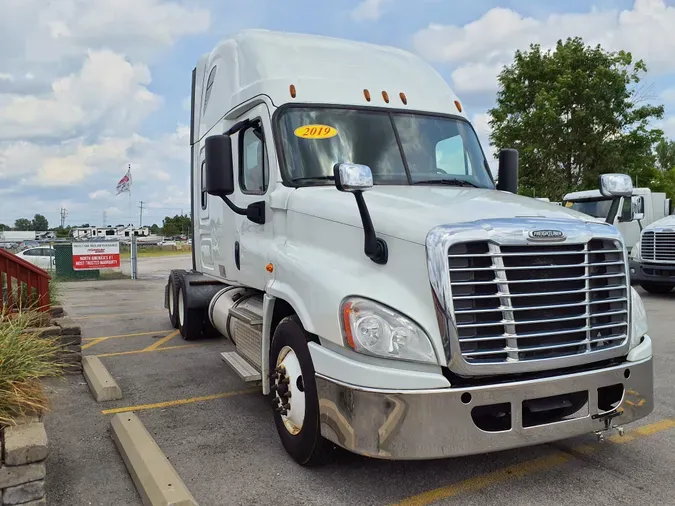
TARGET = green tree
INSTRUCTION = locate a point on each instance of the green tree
(23, 224)
(4, 227)
(665, 154)
(179, 224)
(154, 229)
(573, 113)
(40, 223)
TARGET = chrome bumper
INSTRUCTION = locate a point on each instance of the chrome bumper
(437, 423)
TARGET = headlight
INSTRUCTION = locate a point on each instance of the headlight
(638, 326)
(374, 329)
(635, 251)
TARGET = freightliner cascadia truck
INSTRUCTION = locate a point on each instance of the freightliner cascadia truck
(386, 293)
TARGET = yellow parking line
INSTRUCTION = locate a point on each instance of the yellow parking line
(115, 315)
(135, 352)
(179, 402)
(93, 342)
(528, 467)
(163, 340)
(127, 335)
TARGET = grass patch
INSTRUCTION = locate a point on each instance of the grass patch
(25, 358)
(143, 253)
(113, 275)
(55, 291)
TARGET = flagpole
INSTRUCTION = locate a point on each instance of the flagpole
(129, 172)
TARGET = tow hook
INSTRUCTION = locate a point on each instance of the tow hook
(608, 419)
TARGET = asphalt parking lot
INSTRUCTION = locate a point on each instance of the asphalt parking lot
(219, 434)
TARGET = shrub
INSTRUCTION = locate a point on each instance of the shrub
(25, 358)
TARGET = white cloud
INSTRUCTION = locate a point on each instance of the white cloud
(668, 96)
(108, 94)
(369, 10)
(480, 48)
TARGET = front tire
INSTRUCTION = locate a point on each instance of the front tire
(658, 287)
(296, 416)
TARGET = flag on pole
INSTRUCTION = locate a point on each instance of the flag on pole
(124, 184)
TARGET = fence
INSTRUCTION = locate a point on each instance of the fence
(22, 284)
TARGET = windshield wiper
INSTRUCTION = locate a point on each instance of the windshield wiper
(450, 182)
(314, 178)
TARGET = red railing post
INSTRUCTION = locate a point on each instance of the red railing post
(18, 271)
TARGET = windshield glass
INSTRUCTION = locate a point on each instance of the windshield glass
(432, 149)
(597, 208)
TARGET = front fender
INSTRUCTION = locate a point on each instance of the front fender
(319, 266)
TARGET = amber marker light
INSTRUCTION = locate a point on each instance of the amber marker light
(292, 90)
(366, 94)
(269, 267)
(404, 99)
(458, 105)
(346, 313)
(385, 96)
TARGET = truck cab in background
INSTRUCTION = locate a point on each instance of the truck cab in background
(641, 209)
(390, 298)
(652, 260)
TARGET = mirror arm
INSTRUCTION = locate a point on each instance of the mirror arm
(374, 247)
(613, 210)
(238, 210)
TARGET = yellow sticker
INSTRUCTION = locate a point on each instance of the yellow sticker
(315, 132)
(569, 204)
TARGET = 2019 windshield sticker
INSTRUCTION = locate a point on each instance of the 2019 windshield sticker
(315, 132)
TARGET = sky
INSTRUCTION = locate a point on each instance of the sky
(90, 86)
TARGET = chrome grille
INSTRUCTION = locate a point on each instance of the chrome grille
(658, 246)
(534, 302)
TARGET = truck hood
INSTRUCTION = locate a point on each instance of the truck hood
(409, 212)
(665, 222)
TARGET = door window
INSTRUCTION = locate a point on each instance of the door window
(451, 157)
(253, 161)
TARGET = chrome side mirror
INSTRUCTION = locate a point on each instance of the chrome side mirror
(616, 185)
(352, 177)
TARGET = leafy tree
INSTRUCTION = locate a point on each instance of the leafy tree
(62, 231)
(40, 223)
(179, 224)
(573, 113)
(154, 229)
(4, 227)
(665, 154)
(23, 225)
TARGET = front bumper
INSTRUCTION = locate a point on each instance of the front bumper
(438, 423)
(651, 273)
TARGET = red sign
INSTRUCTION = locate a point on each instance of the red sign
(93, 256)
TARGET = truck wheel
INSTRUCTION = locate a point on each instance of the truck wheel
(294, 395)
(174, 288)
(190, 321)
(658, 287)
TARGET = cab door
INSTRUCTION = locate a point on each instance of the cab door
(256, 169)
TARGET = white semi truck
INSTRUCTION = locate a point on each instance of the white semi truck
(386, 294)
(641, 209)
(652, 260)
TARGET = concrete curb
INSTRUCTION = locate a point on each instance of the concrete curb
(101, 383)
(155, 478)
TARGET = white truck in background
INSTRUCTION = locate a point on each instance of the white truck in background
(350, 241)
(652, 260)
(643, 208)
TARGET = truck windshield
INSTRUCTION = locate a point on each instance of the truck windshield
(399, 148)
(598, 208)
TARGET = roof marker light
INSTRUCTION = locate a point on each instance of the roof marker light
(292, 90)
(366, 94)
(385, 96)
(404, 99)
(458, 105)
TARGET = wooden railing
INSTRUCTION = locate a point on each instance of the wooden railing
(22, 284)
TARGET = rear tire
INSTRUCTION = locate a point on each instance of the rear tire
(175, 280)
(299, 430)
(190, 320)
(657, 287)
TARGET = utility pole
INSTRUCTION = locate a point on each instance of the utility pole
(141, 218)
(64, 213)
